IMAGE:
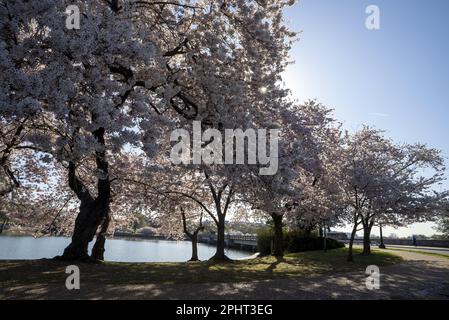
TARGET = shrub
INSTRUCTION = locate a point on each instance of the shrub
(264, 238)
(298, 243)
(294, 241)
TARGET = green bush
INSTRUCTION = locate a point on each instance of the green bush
(264, 238)
(299, 243)
(294, 241)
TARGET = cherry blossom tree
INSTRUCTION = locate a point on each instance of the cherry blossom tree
(176, 204)
(74, 93)
(193, 235)
(443, 222)
(319, 202)
(308, 135)
(130, 68)
(385, 182)
(234, 84)
(215, 195)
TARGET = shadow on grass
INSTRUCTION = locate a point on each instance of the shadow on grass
(43, 278)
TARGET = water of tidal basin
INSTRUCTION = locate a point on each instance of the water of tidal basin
(121, 250)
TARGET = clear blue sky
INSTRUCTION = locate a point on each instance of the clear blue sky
(395, 78)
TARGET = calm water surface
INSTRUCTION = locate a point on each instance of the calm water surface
(124, 250)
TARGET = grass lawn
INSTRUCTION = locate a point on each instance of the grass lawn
(33, 272)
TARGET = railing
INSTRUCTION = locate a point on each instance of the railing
(406, 242)
(422, 243)
(243, 237)
(229, 237)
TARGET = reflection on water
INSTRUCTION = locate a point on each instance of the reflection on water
(124, 250)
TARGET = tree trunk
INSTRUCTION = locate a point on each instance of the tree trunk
(92, 210)
(351, 242)
(2, 227)
(308, 232)
(278, 244)
(324, 238)
(98, 249)
(366, 241)
(382, 244)
(194, 248)
(220, 252)
(192, 236)
(87, 222)
(5, 161)
(367, 227)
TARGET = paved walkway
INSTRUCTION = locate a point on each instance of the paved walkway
(438, 250)
(418, 277)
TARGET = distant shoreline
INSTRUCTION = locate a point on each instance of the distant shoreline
(117, 235)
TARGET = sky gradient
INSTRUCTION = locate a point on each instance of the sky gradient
(395, 78)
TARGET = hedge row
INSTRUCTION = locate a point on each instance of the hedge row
(294, 241)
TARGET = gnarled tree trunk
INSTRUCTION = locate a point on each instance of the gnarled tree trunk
(98, 248)
(86, 224)
(92, 211)
(5, 161)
